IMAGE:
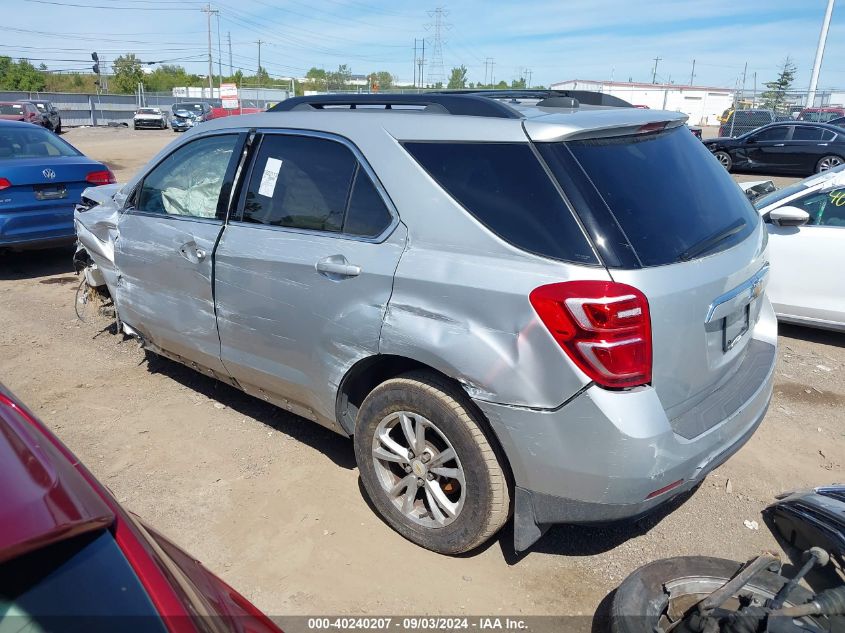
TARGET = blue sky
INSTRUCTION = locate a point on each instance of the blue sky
(556, 39)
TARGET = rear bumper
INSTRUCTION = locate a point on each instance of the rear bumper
(602, 454)
(44, 228)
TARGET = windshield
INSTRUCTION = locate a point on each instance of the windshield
(665, 191)
(798, 187)
(35, 142)
(148, 111)
(197, 107)
(40, 106)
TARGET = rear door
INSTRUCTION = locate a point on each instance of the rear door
(806, 147)
(692, 244)
(304, 270)
(164, 249)
(804, 260)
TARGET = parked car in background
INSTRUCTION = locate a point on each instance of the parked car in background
(821, 115)
(149, 118)
(49, 115)
(42, 177)
(782, 148)
(188, 114)
(414, 278)
(738, 122)
(806, 225)
(20, 111)
(72, 559)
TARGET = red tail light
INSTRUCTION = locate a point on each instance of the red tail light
(4, 184)
(603, 326)
(102, 177)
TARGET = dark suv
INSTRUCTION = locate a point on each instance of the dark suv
(49, 115)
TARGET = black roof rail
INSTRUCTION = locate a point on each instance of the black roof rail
(467, 104)
(585, 97)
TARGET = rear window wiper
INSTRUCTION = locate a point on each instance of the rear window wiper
(711, 241)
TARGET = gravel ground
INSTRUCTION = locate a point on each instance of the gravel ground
(273, 504)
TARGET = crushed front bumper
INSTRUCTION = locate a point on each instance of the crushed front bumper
(605, 455)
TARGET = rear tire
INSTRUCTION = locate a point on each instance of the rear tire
(463, 500)
(725, 159)
(58, 129)
(641, 599)
(829, 162)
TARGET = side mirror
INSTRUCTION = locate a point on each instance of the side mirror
(789, 216)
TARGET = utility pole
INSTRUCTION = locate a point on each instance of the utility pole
(208, 11)
(528, 83)
(692, 74)
(229, 37)
(219, 51)
(654, 70)
(817, 64)
(492, 74)
(415, 62)
(744, 72)
(421, 64)
(259, 59)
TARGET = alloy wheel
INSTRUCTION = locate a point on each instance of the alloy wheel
(418, 469)
(829, 162)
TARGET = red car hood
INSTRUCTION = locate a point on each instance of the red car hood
(43, 498)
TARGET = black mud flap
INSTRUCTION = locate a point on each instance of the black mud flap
(526, 530)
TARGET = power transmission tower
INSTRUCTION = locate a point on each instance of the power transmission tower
(229, 37)
(437, 74)
(208, 11)
(488, 62)
(654, 71)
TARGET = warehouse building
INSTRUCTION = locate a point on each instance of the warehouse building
(703, 105)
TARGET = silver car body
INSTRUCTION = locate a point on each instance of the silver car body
(249, 305)
(805, 289)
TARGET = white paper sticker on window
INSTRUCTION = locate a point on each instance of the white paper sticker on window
(269, 177)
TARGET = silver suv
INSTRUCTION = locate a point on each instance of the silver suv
(523, 306)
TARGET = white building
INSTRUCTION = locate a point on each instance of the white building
(703, 105)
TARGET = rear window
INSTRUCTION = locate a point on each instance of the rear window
(34, 142)
(668, 195)
(504, 187)
(11, 108)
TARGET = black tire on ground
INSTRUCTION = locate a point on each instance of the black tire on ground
(829, 162)
(58, 129)
(725, 159)
(487, 502)
(640, 599)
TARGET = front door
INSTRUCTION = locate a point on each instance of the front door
(165, 247)
(304, 271)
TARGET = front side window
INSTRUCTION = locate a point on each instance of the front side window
(772, 134)
(826, 208)
(189, 181)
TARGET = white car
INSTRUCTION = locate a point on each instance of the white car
(806, 223)
(150, 117)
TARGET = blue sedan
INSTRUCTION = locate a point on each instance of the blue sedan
(41, 179)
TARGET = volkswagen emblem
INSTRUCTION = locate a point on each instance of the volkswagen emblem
(49, 174)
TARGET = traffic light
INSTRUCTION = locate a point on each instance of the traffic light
(96, 66)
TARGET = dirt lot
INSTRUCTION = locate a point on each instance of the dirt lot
(272, 503)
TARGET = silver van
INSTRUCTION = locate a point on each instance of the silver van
(523, 306)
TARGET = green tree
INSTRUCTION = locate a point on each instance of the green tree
(518, 84)
(128, 73)
(458, 78)
(339, 79)
(20, 75)
(775, 95)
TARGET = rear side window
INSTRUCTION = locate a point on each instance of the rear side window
(505, 188)
(807, 133)
(671, 199)
(305, 182)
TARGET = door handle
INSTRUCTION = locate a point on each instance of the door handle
(779, 145)
(336, 265)
(192, 253)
